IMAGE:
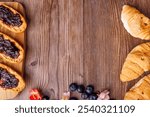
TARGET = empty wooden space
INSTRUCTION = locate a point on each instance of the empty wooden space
(80, 41)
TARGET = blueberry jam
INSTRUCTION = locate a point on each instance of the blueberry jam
(7, 80)
(9, 18)
(8, 48)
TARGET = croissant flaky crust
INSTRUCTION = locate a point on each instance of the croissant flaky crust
(15, 29)
(140, 91)
(136, 63)
(5, 57)
(137, 24)
(9, 93)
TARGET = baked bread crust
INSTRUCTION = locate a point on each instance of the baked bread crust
(137, 24)
(14, 29)
(136, 63)
(13, 92)
(140, 91)
(21, 50)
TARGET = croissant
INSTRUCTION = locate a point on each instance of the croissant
(11, 83)
(140, 91)
(136, 63)
(10, 50)
(11, 19)
(137, 24)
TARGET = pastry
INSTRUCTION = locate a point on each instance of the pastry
(136, 63)
(10, 50)
(11, 19)
(137, 24)
(140, 91)
(11, 83)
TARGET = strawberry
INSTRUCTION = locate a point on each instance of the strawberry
(35, 95)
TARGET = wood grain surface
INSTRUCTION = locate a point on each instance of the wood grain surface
(80, 41)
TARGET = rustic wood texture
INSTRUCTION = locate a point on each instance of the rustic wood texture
(80, 41)
(20, 38)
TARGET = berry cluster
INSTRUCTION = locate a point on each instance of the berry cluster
(86, 92)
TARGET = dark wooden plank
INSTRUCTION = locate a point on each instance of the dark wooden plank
(102, 46)
(107, 43)
(70, 68)
(80, 41)
(42, 44)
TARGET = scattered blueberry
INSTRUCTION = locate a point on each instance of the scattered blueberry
(89, 89)
(45, 98)
(73, 87)
(81, 88)
(84, 95)
(73, 98)
(93, 97)
(86, 92)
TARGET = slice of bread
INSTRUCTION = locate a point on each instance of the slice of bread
(14, 28)
(17, 45)
(9, 93)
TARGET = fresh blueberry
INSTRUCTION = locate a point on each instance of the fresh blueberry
(73, 87)
(81, 88)
(93, 97)
(45, 98)
(89, 89)
(84, 95)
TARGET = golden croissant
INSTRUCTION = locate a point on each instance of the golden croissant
(140, 91)
(136, 63)
(137, 24)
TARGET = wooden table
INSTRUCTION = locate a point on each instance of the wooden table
(80, 41)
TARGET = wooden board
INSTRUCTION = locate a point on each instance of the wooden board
(20, 38)
(80, 41)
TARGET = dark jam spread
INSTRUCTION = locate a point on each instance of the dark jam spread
(8, 48)
(8, 17)
(7, 80)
